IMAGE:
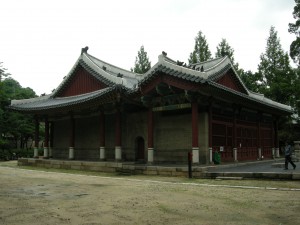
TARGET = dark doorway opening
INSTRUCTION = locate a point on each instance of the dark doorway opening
(140, 149)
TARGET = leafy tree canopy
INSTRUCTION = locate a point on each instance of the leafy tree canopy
(273, 63)
(3, 72)
(278, 80)
(142, 63)
(201, 50)
(294, 28)
(13, 124)
(224, 49)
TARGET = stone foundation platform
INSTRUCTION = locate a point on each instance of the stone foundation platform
(132, 168)
(124, 168)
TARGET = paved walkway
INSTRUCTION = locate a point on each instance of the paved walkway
(256, 167)
(268, 169)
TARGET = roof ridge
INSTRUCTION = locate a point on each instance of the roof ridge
(225, 58)
(107, 75)
(111, 65)
(207, 61)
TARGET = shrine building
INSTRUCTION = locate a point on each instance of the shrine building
(102, 112)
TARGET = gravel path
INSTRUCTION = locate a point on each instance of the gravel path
(37, 197)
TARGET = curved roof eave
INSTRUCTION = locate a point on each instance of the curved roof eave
(47, 102)
(261, 100)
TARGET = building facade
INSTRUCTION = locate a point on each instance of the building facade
(103, 112)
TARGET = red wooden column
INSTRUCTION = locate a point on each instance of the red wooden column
(36, 137)
(150, 136)
(259, 135)
(118, 138)
(276, 138)
(234, 136)
(210, 133)
(195, 145)
(46, 144)
(72, 137)
(51, 124)
(102, 135)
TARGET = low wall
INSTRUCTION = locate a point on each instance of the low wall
(130, 168)
(69, 164)
(113, 167)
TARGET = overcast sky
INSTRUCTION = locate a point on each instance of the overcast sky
(41, 40)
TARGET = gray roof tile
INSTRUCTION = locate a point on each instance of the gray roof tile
(130, 81)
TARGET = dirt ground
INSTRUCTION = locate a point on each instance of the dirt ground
(39, 197)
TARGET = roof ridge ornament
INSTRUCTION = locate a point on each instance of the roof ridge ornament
(84, 50)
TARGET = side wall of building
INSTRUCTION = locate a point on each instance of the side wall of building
(172, 136)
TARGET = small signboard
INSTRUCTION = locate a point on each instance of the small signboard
(221, 148)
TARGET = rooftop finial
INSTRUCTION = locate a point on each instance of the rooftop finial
(164, 53)
(84, 50)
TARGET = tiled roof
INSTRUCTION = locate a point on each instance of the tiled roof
(47, 102)
(205, 72)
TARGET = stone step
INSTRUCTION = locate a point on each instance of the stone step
(278, 165)
(124, 172)
(229, 178)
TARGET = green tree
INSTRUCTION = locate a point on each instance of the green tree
(224, 49)
(277, 79)
(142, 63)
(3, 72)
(275, 71)
(13, 125)
(294, 28)
(250, 79)
(201, 50)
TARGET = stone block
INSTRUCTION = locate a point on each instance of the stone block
(48, 166)
(55, 166)
(76, 163)
(137, 167)
(23, 160)
(178, 174)
(182, 169)
(166, 169)
(128, 167)
(31, 160)
(119, 165)
(150, 172)
(164, 173)
(296, 176)
(107, 169)
(75, 167)
(179, 169)
(138, 172)
(95, 168)
(65, 166)
(285, 176)
(89, 163)
(67, 163)
(55, 162)
(270, 175)
(111, 164)
(48, 162)
(257, 175)
(198, 169)
(152, 168)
